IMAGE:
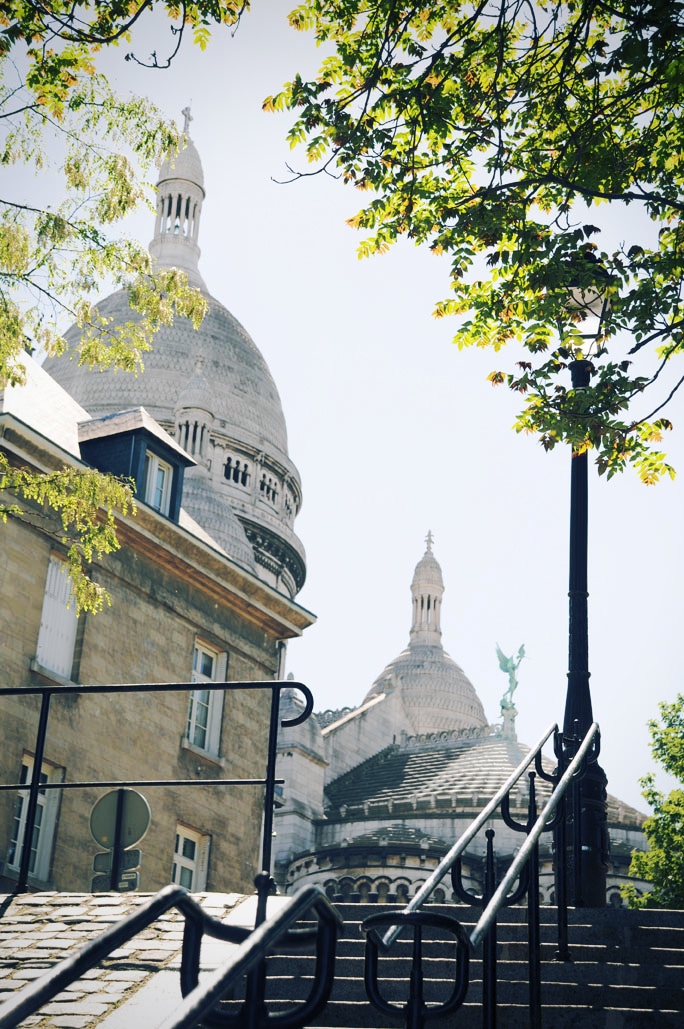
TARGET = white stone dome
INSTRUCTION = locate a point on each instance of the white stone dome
(245, 399)
(436, 694)
(211, 389)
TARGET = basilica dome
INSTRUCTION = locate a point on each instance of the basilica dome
(436, 694)
(212, 390)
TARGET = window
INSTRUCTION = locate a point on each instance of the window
(44, 825)
(158, 476)
(190, 858)
(205, 707)
(236, 472)
(57, 634)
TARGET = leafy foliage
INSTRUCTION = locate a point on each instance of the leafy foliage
(663, 864)
(489, 132)
(86, 501)
(59, 118)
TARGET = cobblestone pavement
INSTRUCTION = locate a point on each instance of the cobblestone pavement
(38, 930)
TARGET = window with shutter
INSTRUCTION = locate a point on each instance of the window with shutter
(57, 634)
(43, 826)
(190, 858)
(205, 707)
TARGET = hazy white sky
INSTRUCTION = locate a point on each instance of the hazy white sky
(395, 432)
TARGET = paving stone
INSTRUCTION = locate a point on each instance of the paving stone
(84, 986)
(68, 1021)
(56, 943)
(129, 975)
(38, 930)
(81, 1007)
(115, 986)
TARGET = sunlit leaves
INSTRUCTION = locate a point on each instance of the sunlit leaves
(60, 116)
(63, 39)
(663, 864)
(488, 133)
(86, 502)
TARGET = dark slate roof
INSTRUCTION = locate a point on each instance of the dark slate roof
(396, 835)
(464, 770)
(452, 775)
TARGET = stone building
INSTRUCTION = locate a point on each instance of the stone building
(376, 795)
(203, 588)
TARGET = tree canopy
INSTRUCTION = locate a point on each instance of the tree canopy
(663, 864)
(60, 119)
(492, 132)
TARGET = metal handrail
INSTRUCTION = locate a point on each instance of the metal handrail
(262, 941)
(521, 858)
(269, 781)
(459, 847)
(524, 869)
(202, 999)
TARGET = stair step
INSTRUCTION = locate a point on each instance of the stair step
(625, 972)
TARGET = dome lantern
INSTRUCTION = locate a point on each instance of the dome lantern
(427, 588)
(180, 193)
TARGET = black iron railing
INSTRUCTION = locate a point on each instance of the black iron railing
(269, 782)
(521, 879)
(200, 1000)
(249, 961)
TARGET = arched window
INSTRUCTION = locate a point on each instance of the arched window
(236, 471)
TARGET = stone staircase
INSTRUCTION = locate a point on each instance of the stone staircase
(627, 970)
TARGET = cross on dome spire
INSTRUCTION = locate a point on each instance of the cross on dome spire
(429, 539)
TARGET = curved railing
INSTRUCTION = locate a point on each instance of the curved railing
(524, 870)
(445, 865)
(201, 999)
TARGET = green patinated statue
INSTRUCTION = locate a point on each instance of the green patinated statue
(510, 666)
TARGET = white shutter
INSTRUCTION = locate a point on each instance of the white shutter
(216, 706)
(201, 864)
(57, 635)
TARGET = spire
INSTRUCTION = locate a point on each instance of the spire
(427, 588)
(180, 192)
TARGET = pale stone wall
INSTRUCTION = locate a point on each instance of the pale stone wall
(147, 635)
(302, 765)
(367, 730)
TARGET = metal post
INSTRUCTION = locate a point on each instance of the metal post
(490, 941)
(588, 835)
(32, 807)
(117, 850)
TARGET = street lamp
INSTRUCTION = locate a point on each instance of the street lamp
(587, 820)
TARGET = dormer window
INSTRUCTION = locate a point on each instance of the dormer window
(131, 444)
(158, 480)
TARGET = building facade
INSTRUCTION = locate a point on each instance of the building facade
(202, 590)
(376, 795)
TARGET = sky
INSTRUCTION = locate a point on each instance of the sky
(395, 432)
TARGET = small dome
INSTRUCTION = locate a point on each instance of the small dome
(200, 501)
(185, 164)
(197, 395)
(436, 693)
(428, 573)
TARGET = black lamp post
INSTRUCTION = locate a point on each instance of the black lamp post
(587, 817)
